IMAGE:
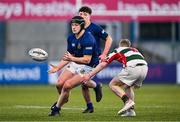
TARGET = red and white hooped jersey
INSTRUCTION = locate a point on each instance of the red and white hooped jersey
(128, 56)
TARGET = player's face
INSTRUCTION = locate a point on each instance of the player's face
(75, 27)
(85, 16)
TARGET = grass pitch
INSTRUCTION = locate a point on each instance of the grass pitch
(32, 103)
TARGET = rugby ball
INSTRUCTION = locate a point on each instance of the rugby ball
(38, 54)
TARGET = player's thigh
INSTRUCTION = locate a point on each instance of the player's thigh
(128, 75)
(64, 76)
(73, 82)
(142, 75)
(116, 82)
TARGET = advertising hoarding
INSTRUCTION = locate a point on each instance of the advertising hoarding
(23, 73)
(123, 10)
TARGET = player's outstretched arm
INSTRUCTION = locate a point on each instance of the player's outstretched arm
(98, 68)
(57, 68)
(107, 47)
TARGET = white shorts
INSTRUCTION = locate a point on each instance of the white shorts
(133, 75)
(78, 68)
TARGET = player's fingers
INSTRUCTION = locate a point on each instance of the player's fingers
(51, 71)
(53, 66)
(102, 60)
(64, 58)
(68, 52)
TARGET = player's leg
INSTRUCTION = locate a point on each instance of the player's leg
(130, 92)
(65, 75)
(135, 78)
(86, 95)
(98, 91)
(131, 111)
(97, 88)
(141, 73)
(117, 87)
(63, 97)
(69, 84)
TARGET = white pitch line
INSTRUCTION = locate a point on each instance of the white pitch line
(44, 107)
(155, 106)
(79, 108)
(29, 106)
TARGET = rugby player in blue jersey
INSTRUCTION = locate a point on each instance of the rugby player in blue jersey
(99, 34)
(80, 58)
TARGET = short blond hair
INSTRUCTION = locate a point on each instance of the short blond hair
(124, 43)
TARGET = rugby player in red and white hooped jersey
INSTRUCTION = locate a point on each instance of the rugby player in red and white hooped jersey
(131, 76)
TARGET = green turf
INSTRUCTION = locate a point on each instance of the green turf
(31, 103)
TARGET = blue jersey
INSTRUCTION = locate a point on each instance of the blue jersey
(98, 33)
(85, 45)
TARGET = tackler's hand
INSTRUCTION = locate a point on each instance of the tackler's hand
(102, 57)
(86, 77)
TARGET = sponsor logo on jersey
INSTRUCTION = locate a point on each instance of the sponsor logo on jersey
(102, 31)
(79, 46)
(73, 44)
(88, 48)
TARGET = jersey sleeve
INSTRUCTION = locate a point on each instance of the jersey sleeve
(89, 46)
(101, 32)
(112, 56)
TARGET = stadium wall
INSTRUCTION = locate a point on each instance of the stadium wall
(36, 73)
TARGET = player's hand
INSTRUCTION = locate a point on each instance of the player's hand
(67, 57)
(86, 78)
(53, 69)
(102, 57)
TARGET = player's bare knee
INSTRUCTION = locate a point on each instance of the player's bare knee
(67, 86)
(60, 84)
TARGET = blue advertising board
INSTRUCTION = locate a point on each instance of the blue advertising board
(36, 73)
(161, 73)
(32, 73)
